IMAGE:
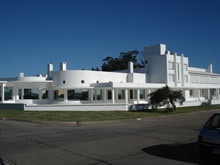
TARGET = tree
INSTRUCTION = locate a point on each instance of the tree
(165, 96)
(95, 69)
(121, 62)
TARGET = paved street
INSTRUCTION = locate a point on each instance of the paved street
(165, 141)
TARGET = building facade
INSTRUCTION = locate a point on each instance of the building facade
(98, 90)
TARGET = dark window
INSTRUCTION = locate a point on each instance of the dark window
(78, 94)
(214, 123)
(31, 93)
(82, 81)
(59, 94)
(109, 95)
(64, 81)
(45, 94)
(8, 93)
(131, 94)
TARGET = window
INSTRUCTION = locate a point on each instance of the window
(78, 94)
(171, 77)
(8, 93)
(131, 94)
(45, 94)
(142, 94)
(59, 94)
(109, 94)
(121, 94)
(82, 81)
(191, 92)
(97, 95)
(170, 65)
(214, 123)
(20, 94)
(31, 93)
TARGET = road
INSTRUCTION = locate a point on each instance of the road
(151, 141)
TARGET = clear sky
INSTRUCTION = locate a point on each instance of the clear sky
(84, 32)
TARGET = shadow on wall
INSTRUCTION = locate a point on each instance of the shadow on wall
(182, 152)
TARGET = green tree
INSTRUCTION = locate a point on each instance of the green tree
(165, 96)
(95, 69)
(121, 62)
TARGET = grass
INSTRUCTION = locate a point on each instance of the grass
(92, 115)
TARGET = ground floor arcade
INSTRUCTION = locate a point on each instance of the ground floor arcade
(98, 95)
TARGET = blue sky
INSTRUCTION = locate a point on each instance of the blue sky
(84, 32)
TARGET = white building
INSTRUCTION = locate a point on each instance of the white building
(98, 90)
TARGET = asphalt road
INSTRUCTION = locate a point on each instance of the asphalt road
(149, 141)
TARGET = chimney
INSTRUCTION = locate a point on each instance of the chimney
(210, 68)
(50, 69)
(62, 66)
(21, 74)
(130, 67)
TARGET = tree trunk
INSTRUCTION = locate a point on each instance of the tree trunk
(173, 105)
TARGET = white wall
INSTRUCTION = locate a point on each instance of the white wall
(157, 69)
(73, 78)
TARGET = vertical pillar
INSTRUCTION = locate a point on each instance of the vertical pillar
(14, 93)
(217, 93)
(3, 93)
(22, 93)
(113, 96)
(91, 95)
(175, 68)
(208, 94)
(138, 96)
(40, 94)
(116, 95)
(104, 95)
(182, 69)
(65, 95)
(149, 91)
(51, 94)
(126, 96)
(198, 94)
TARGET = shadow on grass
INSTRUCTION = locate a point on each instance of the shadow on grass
(182, 152)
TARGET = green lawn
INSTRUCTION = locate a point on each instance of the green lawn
(92, 116)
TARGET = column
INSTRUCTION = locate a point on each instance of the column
(138, 96)
(208, 94)
(149, 91)
(116, 95)
(40, 94)
(175, 68)
(113, 96)
(198, 94)
(91, 95)
(126, 96)
(3, 93)
(51, 94)
(65, 95)
(22, 94)
(104, 95)
(217, 93)
(182, 69)
(14, 96)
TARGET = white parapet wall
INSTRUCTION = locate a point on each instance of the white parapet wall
(84, 107)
